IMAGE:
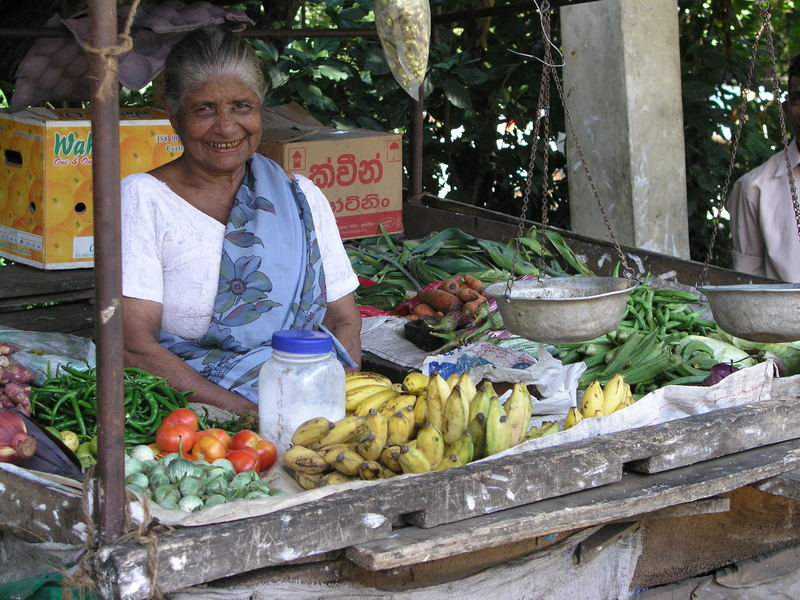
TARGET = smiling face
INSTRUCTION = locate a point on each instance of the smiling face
(219, 124)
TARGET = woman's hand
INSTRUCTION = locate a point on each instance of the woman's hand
(344, 321)
(141, 323)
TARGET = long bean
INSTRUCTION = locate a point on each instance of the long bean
(70, 400)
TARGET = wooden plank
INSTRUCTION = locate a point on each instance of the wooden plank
(40, 513)
(22, 280)
(709, 435)
(20, 302)
(603, 538)
(634, 495)
(76, 318)
(786, 484)
(757, 523)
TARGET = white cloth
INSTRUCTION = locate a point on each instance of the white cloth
(765, 237)
(171, 252)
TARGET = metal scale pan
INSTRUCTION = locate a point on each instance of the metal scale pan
(562, 310)
(757, 312)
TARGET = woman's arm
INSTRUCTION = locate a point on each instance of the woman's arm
(344, 321)
(141, 323)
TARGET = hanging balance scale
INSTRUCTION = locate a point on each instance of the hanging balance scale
(560, 310)
(767, 313)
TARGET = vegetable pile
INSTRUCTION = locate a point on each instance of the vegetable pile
(16, 444)
(15, 380)
(176, 482)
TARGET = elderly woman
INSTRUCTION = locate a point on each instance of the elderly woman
(221, 247)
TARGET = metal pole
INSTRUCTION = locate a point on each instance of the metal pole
(110, 490)
(415, 153)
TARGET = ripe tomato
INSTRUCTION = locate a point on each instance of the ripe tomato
(267, 453)
(208, 448)
(175, 437)
(245, 439)
(184, 416)
(219, 434)
(244, 459)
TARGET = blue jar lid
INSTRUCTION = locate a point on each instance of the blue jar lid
(302, 341)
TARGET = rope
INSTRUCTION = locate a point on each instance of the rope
(110, 55)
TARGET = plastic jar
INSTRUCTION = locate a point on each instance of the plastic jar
(302, 379)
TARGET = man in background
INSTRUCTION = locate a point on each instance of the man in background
(766, 240)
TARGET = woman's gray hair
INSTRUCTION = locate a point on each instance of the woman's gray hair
(204, 53)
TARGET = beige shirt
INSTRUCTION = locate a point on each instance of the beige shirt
(766, 241)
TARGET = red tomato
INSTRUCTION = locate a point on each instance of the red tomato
(267, 453)
(208, 448)
(219, 434)
(245, 439)
(244, 459)
(171, 437)
(183, 416)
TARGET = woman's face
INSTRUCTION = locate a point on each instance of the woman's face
(219, 124)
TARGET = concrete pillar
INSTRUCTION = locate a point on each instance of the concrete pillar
(623, 91)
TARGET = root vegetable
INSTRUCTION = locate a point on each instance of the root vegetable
(424, 310)
(13, 372)
(20, 396)
(6, 349)
(439, 299)
(467, 294)
(475, 283)
(451, 285)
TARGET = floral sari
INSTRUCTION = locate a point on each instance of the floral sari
(271, 278)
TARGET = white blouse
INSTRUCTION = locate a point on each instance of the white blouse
(171, 252)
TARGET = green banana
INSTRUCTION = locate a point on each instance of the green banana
(477, 428)
(431, 443)
(413, 460)
(498, 429)
(463, 448)
(480, 401)
(455, 416)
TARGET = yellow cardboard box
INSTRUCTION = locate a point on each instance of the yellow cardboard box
(46, 179)
(359, 171)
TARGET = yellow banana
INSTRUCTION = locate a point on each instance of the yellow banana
(463, 448)
(399, 427)
(399, 402)
(592, 400)
(345, 430)
(480, 401)
(452, 380)
(436, 396)
(421, 410)
(359, 378)
(305, 460)
(307, 481)
(413, 460)
(573, 417)
(467, 385)
(498, 429)
(375, 401)
(346, 461)
(370, 446)
(389, 457)
(354, 397)
(518, 408)
(477, 428)
(455, 416)
(387, 473)
(311, 431)
(627, 398)
(334, 449)
(613, 393)
(370, 469)
(431, 443)
(415, 383)
(546, 428)
(335, 477)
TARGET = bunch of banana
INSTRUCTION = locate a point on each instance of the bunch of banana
(424, 424)
(600, 400)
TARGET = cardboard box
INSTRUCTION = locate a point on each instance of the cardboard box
(359, 171)
(46, 179)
